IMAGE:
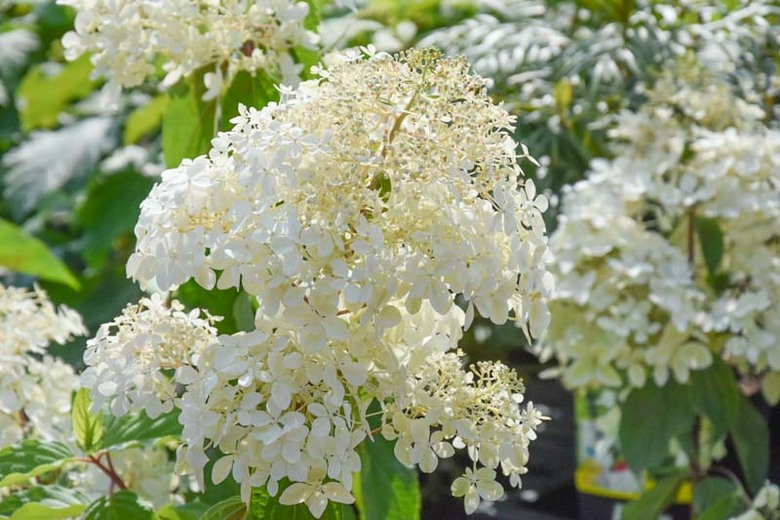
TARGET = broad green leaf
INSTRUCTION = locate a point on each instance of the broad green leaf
(188, 511)
(723, 509)
(123, 505)
(145, 120)
(265, 507)
(39, 511)
(189, 123)
(244, 312)
(386, 489)
(716, 395)
(751, 439)
(650, 418)
(653, 502)
(229, 509)
(43, 502)
(24, 253)
(20, 462)
(119, 431)
(711, 240)
(715, 499)
(253, 91)
(104, 220)
(218, 302)
(87, 427)
(42, 97)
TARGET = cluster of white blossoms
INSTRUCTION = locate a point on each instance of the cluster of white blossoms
(355, 211)
(35, 389)
(765, 505)
(634, 291)
(128, 39)
(128, 357)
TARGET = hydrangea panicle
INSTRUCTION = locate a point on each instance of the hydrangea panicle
(126, 38)
(633, 274)
(355, 214)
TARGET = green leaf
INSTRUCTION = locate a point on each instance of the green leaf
(711, 240)
(716, 395)
(188, 511)
(38, 511)
(218, 302)
(43, 502)
(145, 120)
(136, 427)
(42, 97)
(650, 418)
(123, 505)
(103, 220)
(243, 312)
(751, 439)
(653, 502)
(386, 489)
(229, 509)
(253, 91)
(24, 253)
(87, 427)
(189, 123)
(723, 509)
(21, 462)
(715, 499)
(265, 507)
(770, 387)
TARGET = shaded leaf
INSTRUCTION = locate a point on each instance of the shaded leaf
(24, 253)
(711, 240)
(229, 509)
(123, 505)
(386, 488)
(145, 120)
(118, 431)
(103, 219)
(44, 502)
(189, 123)
(20, 462)
(716, 395)
(751, 439)
(43, 97)
(253, 91)
(650, 418)
(715, 499)
(654, 501)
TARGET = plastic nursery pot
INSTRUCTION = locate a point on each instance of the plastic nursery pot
(603, 480)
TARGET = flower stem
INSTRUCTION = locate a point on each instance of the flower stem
(108, 469)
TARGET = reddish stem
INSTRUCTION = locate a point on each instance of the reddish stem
(109, 470)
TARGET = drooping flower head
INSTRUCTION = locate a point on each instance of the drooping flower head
(355, 211)
(127, 38)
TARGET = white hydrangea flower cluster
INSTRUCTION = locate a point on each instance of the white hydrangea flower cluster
(127, 38)
(35, 389)
(128, 357)
(355, 211)
(765, 505)
(633, 283)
